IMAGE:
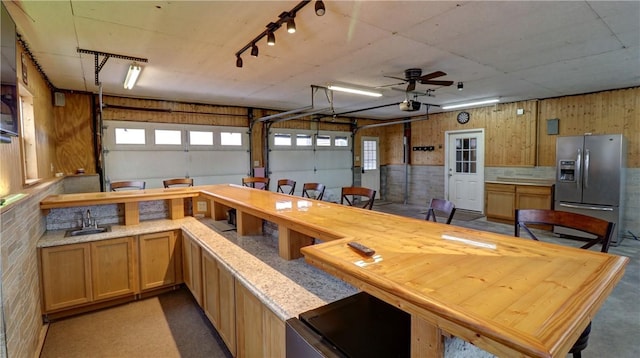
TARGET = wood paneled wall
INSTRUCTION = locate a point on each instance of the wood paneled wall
(522, 140)
(74, 134)
(11, 168)
(610, 112)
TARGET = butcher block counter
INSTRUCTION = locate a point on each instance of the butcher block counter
(506, 295)
(509, 296)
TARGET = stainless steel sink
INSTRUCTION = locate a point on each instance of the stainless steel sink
(88, 231)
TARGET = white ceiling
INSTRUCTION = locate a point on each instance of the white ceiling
(512, 50)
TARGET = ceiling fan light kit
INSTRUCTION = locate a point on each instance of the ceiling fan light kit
(286, 17)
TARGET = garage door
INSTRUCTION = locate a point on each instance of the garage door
(156, 151)
(311, 157)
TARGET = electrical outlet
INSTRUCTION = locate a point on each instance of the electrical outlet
(202, 206)
(256, 163)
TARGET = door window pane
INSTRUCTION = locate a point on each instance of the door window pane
(340, 141)
(282, 139)
(200, 138)
(130, 136)
(323, 141)
(303, 140)
(169, 137)
(466, 155)
(230, 138)
(369, 155)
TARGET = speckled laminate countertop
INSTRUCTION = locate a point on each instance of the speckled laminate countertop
(288, 288)
(514, 181)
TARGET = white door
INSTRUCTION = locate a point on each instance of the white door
(464, 169)
(371, 164)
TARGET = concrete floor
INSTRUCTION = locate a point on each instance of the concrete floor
(616, 327)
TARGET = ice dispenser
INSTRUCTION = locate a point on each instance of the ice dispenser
(567, 171)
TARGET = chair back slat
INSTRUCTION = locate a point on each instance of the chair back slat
(252, 181)
(441, 205)
(356, 192)
(313, 190)
(128, 185)
(283, 183)
(602, 229)
(177, 182)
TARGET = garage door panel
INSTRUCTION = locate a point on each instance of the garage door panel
(213, 163)
(292, 160)
(131, 165)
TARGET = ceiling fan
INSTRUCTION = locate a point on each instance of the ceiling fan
(414, 75)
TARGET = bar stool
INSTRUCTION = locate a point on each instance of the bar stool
(177, 182)
(256, 182)
(127, 185)
(357, 193)
(313, 190)
(283, 183)
(441, 205)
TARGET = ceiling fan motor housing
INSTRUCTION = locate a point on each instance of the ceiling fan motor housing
(412, 73)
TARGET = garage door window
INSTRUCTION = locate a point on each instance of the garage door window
(129, 136)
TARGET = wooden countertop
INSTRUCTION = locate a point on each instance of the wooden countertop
(507, 295)
(115, 197)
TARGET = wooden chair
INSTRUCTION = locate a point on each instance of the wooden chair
(178, 182)
(127, 185)
(283, 183)
(358, 193)
(252, 181)
(601, 229)
(444, 206)
(313, 190)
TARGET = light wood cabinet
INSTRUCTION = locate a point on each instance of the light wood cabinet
(191, 267)
(259, 332)
(218, 301)
(160, 262)
(501, 200)
(113, 268)
(66, 276)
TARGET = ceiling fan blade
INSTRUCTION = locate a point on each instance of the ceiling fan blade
(438, 83)
(397, 78)
(411, 86)
(431, 75)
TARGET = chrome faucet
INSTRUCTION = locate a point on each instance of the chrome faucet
(87, 220)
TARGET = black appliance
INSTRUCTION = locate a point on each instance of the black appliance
(356, 326)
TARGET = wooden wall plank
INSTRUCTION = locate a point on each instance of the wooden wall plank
(74, 134)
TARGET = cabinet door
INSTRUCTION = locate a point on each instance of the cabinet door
(259, 332)
(500, 201)
(113, 268)
(191, 267)
(158, 260)
(534, 197)
(66, 276)
(218, 301)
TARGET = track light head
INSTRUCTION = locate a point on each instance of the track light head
(291, 26)
(254, 50)
(460, 86)
(239, 62)
(320, 10)
(271, 38)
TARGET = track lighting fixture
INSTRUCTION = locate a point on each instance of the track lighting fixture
(291, 26)
(286, 17)
(320, 8)
(460, 86)
(271, 38)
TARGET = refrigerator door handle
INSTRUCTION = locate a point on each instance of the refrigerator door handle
(579, 170)
(586, 168)
(599, 208)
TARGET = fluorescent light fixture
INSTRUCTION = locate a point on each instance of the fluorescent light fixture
(354, 90)
(132, 76)
(471, 104)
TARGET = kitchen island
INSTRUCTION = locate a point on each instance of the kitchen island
(506, 295)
